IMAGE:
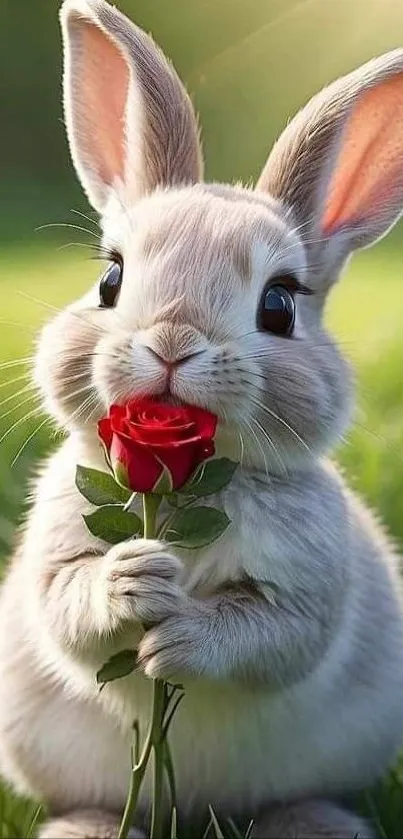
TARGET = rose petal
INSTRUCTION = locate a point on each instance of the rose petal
(205, 421)
(144, 436)
(158, 433)
(142, 468)
(105, 431)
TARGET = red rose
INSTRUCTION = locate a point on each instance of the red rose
(142, 437)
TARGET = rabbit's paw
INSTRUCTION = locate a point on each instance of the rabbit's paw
(139, 582)
(176, 646)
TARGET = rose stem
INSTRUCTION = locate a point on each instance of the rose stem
(136, 779)
(150, 506)
(151, 503)
(154, 739)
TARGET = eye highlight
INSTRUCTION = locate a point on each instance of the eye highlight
(110, 284)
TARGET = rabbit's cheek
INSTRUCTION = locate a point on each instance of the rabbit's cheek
(63, 367)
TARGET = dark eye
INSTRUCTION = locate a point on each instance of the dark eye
(110, 284)
(277, 310)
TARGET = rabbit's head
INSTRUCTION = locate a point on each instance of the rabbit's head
(214, 295)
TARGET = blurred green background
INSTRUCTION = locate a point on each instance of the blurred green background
(248, 64)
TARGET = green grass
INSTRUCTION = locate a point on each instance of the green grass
(366, 314)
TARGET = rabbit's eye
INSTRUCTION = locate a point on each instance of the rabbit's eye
(110, 284)
(277, 311)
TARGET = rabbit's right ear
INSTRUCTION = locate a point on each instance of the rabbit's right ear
(130, 123)
(338, 166)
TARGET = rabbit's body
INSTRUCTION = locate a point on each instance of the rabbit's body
(288, 631)
(333, 729)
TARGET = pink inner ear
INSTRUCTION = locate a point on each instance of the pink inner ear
(370, 162)
(104, 85)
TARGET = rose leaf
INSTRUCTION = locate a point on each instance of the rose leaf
(196, 527)
(99, 488)
(112, 524)
(118, 666)
(210, 477)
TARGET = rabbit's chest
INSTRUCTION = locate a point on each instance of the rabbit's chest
(255, 544)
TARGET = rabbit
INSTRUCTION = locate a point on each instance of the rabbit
(287, 632)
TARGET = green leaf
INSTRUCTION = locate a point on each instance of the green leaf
(211, 476)
(112, 524)
(118, 666)
(100, 488)
(196, 527)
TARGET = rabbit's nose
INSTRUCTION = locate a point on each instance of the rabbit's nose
(174, 362)
(173, 344)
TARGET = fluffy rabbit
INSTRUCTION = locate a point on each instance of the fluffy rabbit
(288, 631)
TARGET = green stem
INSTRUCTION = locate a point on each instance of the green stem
(155, 739)
(150, 508)
(129, 502)
(159, 700)
(170, 773)
(136, 779)
(168, 521)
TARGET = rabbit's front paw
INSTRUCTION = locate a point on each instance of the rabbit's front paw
(176, 646)
(140, 582)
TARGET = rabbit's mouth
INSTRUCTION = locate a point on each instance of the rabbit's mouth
(168, 398)
(164, 395)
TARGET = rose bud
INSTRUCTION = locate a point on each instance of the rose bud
(156, 447)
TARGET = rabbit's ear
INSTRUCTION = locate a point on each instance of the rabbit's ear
(339, 163)
(130, 123)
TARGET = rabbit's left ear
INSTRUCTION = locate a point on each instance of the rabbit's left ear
(130, 123)
(338, 166)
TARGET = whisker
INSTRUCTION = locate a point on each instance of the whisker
(16, 394)
(17, 406)
(18, 422)
(97, 327)
(271, 444)
(28, 440)
(24, 326)
(279, 419)
(87, 218)
(10, 382)
(75, 377)
(80, 410)
(88, 407)
(261, 354)
(70, 226)
(75, 245)
(69, 396)
(260, 447)
(5, 365)
(241, 447)
(97, 406)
